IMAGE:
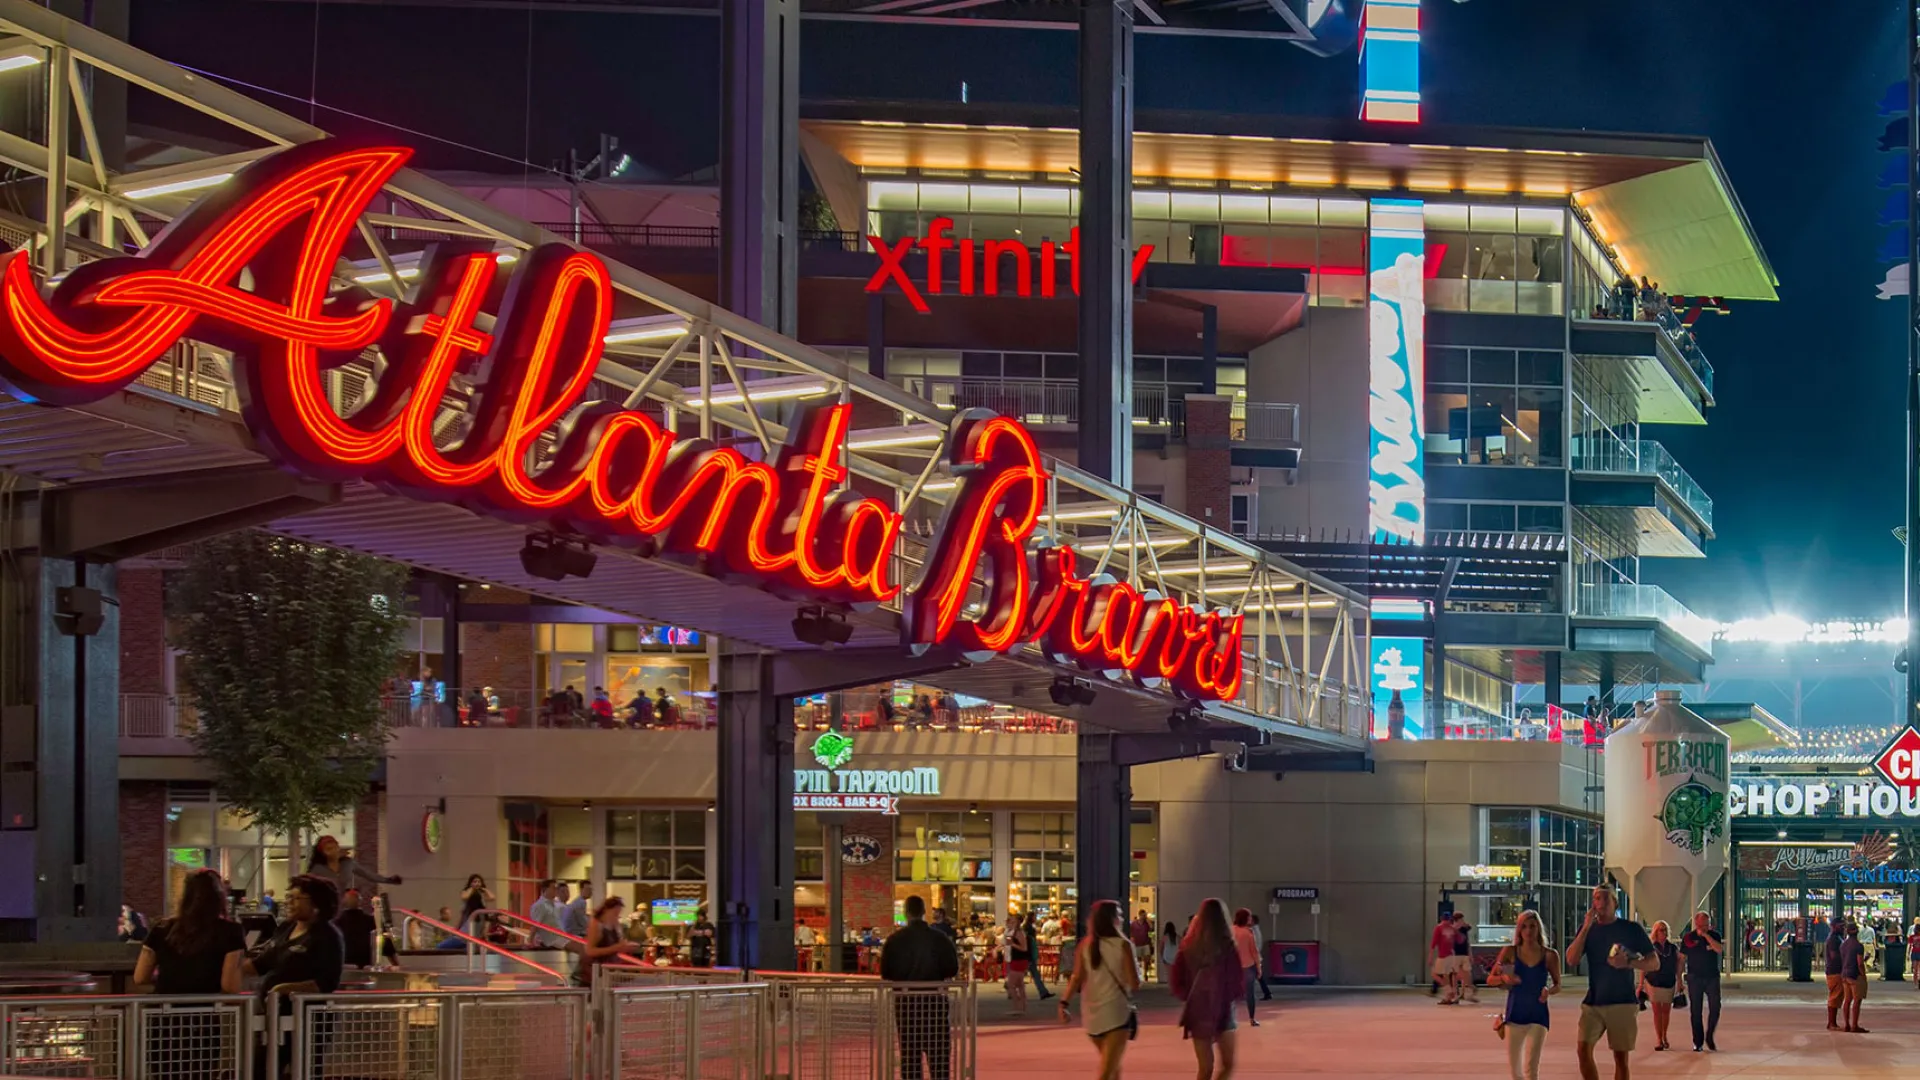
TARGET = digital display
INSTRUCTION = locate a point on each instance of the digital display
(1396, 347)
(1390, 61)
(1398, 674)
(675, 912)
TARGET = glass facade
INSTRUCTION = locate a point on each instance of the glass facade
(1495, 407)
(656, 854)
(205, 833)
(1560, 856)
(1497, 259)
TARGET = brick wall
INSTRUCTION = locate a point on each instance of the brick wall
(870, 887)
(499, 655)
(143, 632)
(1209, 459)
(143, 846)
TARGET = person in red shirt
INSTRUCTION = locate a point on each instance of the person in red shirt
(1440, 949)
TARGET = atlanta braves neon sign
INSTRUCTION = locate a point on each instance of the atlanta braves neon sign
(615, 475)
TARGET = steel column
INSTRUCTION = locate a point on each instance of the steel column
(754, 891)
(760, 160)
(1210, 349)
(1912, 654)
(1106, 240)
(1551, 661)
(59, 107)
(1102, 826)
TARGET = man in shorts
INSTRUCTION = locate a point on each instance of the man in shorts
(1445, 970)
(1613, 949)
(1853, 973)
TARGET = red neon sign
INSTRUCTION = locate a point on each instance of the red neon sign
(980, 274)
(614, 474)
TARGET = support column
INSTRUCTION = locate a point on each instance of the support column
(1210, 349)
(1552, 689)
(1106, 240)
(760, 160)
(755, 886)
(1606, 682)
(877, 336)
(451, 669)
(1105, 795)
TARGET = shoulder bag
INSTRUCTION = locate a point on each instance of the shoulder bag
(1133, 1011)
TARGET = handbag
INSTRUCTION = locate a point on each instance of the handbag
(1680, 1000)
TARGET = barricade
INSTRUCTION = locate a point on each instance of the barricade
(679, 1032)
(652, 975)
(860, 1028)
(465, 1035)
(194, 1038)
(79, 1037)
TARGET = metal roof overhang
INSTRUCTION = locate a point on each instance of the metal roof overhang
(1684, 228)
(1518, 568)
(1748, 726)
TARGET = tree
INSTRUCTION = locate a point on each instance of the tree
(287, 646)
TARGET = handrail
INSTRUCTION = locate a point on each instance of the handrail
(540, 927)
(411, 915)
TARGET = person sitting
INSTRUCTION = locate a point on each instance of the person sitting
(602, 708)
(640, 710)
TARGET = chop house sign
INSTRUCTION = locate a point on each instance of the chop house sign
(616, 475)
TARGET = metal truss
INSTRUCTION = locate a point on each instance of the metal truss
(697, 366)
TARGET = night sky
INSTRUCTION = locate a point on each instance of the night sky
(1803, 455)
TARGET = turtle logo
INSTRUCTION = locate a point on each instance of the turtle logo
(832, 749)
(1694, 816)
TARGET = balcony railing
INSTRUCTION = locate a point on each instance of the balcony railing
(155, 716)
(1057, 401)
(1600, 452)
(1266, 422)
(1644, 602)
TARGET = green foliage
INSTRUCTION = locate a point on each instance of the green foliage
(287, 646)
(816, 213)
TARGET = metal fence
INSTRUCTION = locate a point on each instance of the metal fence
(842, 1028)
(83, 1037)
(683, 1032)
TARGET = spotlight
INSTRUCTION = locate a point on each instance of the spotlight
(553, 557)
(1067, 691)
(1184, 720)
(818, 626)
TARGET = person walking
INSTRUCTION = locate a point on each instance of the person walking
(1463, 958)
(546, 912)
(1658, 985)
(1441, 949)
(604, 940)
(1207, 977)
(1104, 967)
(1853, 972)
(1702, 947)
(1530, 971)
(1612, 949)
(1170, 947)
(918, 954)
(1140, 935)
(1913, 952)
(1869, 944)
(1260, 950)
(1017, 949)
(1033, 955)
(1247, 948)
(1836, 987)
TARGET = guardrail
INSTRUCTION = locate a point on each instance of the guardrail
(87, 1037)
(1267, 422)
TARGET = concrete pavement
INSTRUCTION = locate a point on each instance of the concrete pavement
(1770, 1030)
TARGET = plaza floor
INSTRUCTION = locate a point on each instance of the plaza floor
(1770, 1030)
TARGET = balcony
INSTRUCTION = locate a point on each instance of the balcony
(1672, 376)
(1265, 435)
(1636, 487)
(1056, 402)
(1650, 602)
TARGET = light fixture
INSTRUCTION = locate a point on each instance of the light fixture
(656, 334)
(890, 438)
(814, 625)
(20, 62)
(1085, 513)
(553, 557)
(1185, 720)
(645, 328)
(177, 187)
(761, 390)
(1066, 691)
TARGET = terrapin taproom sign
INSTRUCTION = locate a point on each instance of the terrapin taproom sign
(251, 267)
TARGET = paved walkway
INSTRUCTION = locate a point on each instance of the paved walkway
(1770, 1030)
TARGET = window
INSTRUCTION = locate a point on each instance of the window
(809, 847)
(944, 846)
(1241, 518)
(527, 856)
(204, 833)
(1495, 407)
(1043, 847)
(1496, 259)
(656, 845)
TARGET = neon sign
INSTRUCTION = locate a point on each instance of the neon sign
(614, 475)
(980, 276)
(1397, 375)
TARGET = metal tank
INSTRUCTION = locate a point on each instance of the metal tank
(1667, 833)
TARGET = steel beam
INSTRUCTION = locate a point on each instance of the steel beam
(755, 883)
(760, 161)
(59, 105)
(805, 672)
(1106, 240)
(120, 519)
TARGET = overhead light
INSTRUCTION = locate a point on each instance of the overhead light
(645, 328)
(1086, 513)
(883, 438)
(762, 390)
(1234, 567)
(940, 485)
(401, 272)
(20, 62)
(1158, 542)
(554, 557)
(813, 625)
(178, 186)
(1066, 691)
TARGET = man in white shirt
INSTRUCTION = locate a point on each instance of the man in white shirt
(1867, 939)
(573, 916)
(546, 912)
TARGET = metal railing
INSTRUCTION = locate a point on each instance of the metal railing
(125, 1037)
(599, 234)
(1644, 602)
(1603, 452)
(681, 1032)
(443, 1035)
(477, 948)
(528, 709)
(1057, 401)
(154, 716)
(1267, 422)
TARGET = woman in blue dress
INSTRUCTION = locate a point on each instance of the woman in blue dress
(1531, 973)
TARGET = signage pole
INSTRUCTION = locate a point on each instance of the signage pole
(836, 897)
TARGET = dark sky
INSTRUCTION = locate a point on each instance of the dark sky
(1803, 455)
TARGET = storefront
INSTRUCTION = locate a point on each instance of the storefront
(1556, 859)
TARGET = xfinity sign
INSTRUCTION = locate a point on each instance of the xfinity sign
(1899, 761)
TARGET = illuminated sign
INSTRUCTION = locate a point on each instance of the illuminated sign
(1398, 674)
(859, 849)
(1483, 872)
(614, 475)
(1390, 61)
(871, 804)
(1899, 760)
(981, 275)
(433, 830)
(1296, 892)
(1398, 610)
(835, 787)
(1878, 875)
(1820, 798)
(1396, 347)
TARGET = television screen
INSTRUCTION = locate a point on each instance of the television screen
(677, 912)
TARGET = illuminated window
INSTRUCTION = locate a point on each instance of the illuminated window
(943, 846)
(1495, 407)
(1043, 847)
(656, 845)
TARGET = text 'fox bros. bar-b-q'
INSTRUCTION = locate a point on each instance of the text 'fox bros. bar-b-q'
(616, 475)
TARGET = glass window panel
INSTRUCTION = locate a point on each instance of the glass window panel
(1192, 206)
(690, 864)
(1447, 253)
(994, 227)
(1283, 210)
(656, 864)
(1488, 219)
(1492, 258)
(1491, 517)
(1537, 298)
(1152, 205)
(994, 199)
(1250, 209)
(1343, 213)
(893, 195)
(943, 199)
(1052, 202)
(1446, 517)
(1344, 251)
(1446, 294)
(689, 828)
(1542, 220)
(1445, 216)
(656, 827)
(1495, 297)
(1160, 235)
(1446, 364)
(573, 637)
(1507, 827)
(1494, 366)
(1539, 368)
(1245, 245)
(1544, 519)
(1034, 229)
(623, 828)
(1294, 246)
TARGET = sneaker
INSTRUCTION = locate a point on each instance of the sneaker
(1710, 1045)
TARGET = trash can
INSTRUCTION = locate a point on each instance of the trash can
(1800, 962)
(1893, 962)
